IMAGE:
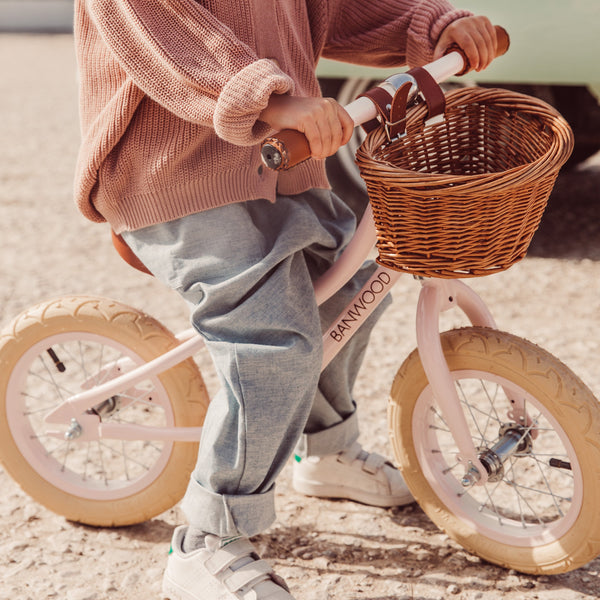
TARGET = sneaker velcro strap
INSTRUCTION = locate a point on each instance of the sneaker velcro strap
(247, 575)
(373, 463)
(224, 557)
(351, 454)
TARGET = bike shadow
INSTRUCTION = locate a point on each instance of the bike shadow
(570, 227)
(155, 531)
(404, 559)
(432, 562)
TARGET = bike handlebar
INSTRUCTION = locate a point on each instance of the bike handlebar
(290, 147)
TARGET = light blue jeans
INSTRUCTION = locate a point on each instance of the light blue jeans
(247, 271)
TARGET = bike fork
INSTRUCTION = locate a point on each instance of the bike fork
(437, 296)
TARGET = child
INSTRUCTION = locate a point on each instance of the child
(176, 96)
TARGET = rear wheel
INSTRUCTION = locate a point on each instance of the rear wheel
(538, 513)
(63, 347)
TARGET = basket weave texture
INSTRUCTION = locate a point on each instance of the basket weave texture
(463, 197)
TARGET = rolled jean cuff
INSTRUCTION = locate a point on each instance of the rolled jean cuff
(226, 515)
(329, 441)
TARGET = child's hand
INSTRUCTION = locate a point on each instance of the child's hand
(475, 36)
(323, 121)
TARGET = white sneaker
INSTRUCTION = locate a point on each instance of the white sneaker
(225, 569)
(354, 475)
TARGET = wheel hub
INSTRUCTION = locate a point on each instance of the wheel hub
(513, 439)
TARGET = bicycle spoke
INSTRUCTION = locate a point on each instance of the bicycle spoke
(104, 462)
(528, 493)
(471, 411)
(52, 382)
(489, 494)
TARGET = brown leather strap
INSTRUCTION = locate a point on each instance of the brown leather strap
(391, 110)
(396, 125)
(382, 100)
(432, 92)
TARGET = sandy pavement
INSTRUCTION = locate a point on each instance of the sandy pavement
(324, 549)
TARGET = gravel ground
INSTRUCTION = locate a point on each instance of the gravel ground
(325, 549)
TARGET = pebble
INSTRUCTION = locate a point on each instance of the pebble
(130, 579)
(321, 563)
(16, 546)
(20, 568)
(108, 585)
(70, 574)
(31, 512)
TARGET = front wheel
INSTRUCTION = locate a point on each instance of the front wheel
(62, 347)
(539, 513)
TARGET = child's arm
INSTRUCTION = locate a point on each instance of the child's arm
(186, 60)
(387, 33)
(327, 126)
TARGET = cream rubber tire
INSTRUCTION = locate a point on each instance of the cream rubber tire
(61, 347)
(541, 513)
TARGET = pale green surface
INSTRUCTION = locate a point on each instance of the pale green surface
(552, 42)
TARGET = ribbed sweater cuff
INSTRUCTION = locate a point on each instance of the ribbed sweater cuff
(244, 97)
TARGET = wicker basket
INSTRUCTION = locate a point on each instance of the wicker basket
(463, 197)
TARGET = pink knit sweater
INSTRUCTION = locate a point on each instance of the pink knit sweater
(171, 91)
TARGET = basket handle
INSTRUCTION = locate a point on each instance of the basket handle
(290, 147)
